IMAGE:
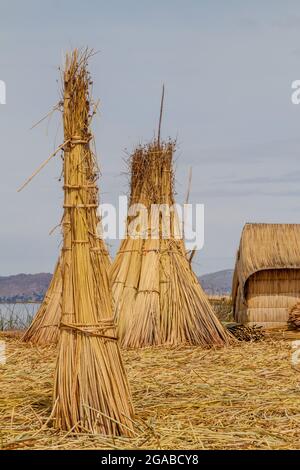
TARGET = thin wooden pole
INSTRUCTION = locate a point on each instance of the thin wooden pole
(189, 185)
(161, 113)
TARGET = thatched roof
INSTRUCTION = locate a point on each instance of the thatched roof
(266, 246)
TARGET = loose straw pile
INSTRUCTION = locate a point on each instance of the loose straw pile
(241, 397)
(90, 391)
(246, 333)
(158, 299)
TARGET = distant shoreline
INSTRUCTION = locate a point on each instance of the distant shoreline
(15, 302)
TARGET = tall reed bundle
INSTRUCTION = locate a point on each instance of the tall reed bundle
(91, 392)
(158, 299)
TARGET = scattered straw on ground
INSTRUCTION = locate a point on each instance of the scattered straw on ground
(243, 397)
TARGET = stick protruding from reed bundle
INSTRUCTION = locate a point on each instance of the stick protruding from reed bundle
(161, 113)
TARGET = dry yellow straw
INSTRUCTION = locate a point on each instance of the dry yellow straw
(158, 299)
(90, 390)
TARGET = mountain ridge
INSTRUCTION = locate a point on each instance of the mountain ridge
(24, 287)
(32, 287)
(218, 282)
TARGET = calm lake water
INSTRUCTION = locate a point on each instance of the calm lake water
(16, 316)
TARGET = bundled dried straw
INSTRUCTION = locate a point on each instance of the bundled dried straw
(90, 391)
(158, 299)
(44, 329)
(294, 317)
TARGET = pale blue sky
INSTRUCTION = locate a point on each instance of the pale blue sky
(228, 68)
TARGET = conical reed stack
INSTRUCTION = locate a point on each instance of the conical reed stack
(158, 299)
(90, 391)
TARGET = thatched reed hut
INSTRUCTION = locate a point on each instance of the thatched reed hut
(266, 281)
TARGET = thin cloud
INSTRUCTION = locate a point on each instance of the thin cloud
(288, 23)
(248, 153)
(292, 177)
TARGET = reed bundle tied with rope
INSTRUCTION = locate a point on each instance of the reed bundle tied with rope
(294, 317)
(158, 299)
(91, 392)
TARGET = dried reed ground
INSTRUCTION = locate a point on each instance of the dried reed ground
(243, 397)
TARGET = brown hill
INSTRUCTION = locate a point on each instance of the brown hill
(217, 283)
(24, 287)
